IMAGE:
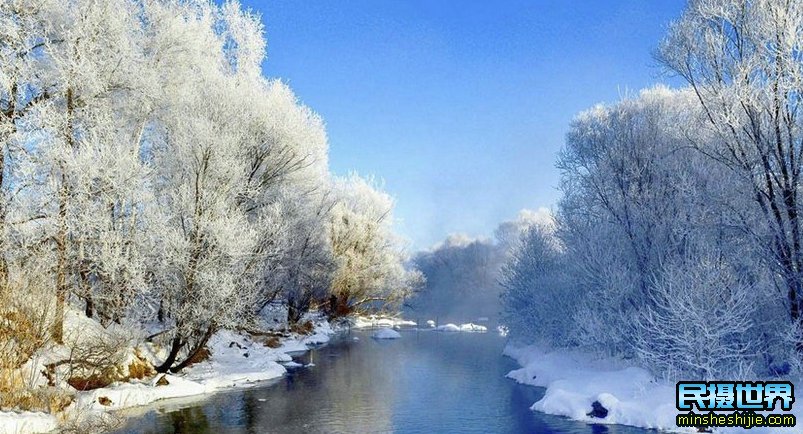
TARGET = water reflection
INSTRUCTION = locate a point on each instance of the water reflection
(425, 382)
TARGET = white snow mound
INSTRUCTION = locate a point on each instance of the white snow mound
(386, 333)
(468, 327)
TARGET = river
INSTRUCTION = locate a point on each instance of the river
(425, 382)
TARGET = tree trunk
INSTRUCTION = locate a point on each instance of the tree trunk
(175, 347)
(61, 272)
(3, 198)
(61, 237)
(89, 309)
(200, 345)
(160, 315)
(293, 312)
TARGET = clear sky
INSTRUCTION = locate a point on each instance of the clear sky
(460, 107)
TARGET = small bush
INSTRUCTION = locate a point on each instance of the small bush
(94, 381)
(203, 354)
(302, 328)
(25, 321)
(273, 342)
(43, 399)
(140, 368)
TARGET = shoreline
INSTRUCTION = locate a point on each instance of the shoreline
(237, 360)
(631, 395)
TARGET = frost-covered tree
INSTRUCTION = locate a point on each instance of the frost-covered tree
(742, 59)
(301, 273)
(537, 300)
(207, 244)
(651, 232)
(700, 324)
(634, 193)
(149, 171)
(371, 270)
(23, 87)
(82, 180)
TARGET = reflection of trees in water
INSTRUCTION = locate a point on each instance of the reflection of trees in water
(425, 382)
(189, 420)
(339, 394)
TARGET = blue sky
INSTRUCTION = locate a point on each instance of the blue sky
(460, 107)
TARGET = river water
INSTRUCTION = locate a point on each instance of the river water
(425, 382)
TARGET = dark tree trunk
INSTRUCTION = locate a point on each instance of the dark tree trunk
(198, 346)
(89, 309)
(293, 312)
(175, 347)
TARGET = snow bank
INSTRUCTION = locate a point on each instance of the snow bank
(323, 330)
(447, 328)
(386, 333)
(379, 321)
(573, 381)
(468, 327)
(471, 327)
(27, 422)
(236, 360)
(125, 395)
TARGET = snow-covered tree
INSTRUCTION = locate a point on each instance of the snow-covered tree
(370, 261)
(537, 300)
(700, 324)
(206, 245)
(82, 179)
(301, 272)
(23, 87)
(742, 59)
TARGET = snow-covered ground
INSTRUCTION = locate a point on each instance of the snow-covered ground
(27, 422)
(237, 360)
(632, 396)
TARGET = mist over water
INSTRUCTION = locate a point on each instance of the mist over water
(463, 273)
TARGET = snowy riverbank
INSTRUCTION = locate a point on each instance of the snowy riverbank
(236, 360)
(632, 396)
